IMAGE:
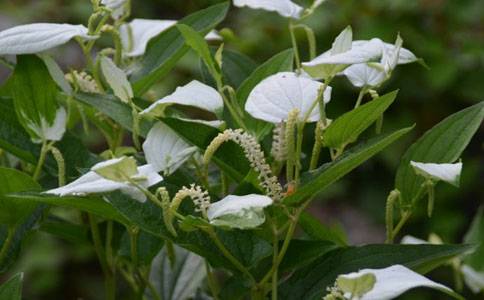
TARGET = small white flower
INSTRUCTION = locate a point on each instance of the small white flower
(38, 37)
(92, 183)
(285, 8)
(394, 281)
(50, 132)
(194, 94)
(136, 34)
(239, 211)
(165, 150)
(449, 173)
(274, 97)
(473, 279)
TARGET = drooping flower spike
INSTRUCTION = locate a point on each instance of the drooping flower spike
(274, 97)
(112, 175)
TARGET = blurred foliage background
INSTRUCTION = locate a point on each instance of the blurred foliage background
(447, 34)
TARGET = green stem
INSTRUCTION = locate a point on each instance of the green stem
(211, 281)
(274, 261)
(98, 246)
(294, 46)
(7, 243)
(300, 133)
(233, 112)
(201, 174)
(360, 96)
(134, 246)
(211, 233)
(311, 39)
(43, 153)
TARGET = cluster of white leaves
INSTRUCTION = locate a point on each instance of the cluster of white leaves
(165, 150)
(274, 97)
(363, 62)
(49, 132)
(93, 183)
(285, 8)
(449, 173)
(393, 281)
(136, 34)
(37, 37)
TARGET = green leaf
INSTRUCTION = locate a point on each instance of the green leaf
(279, 63)
(318, 231)
(476, 235)
(301, 252)
(444, 143)
(149, 246)
(243, 245)
(93, 205)
(73, 233)
(250, 218)
(116, 79)
(14, 212)
(314, 182)
(56, 73)
(179, 281)
(196, 41)
(236, 68)
(349, 126)
(34, 93)
(164, 50)
(311, 281)
(115, 109)
(12, 289)
(14, 139)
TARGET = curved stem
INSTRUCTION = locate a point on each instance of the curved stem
(40, 163)
(7, 243)
(360, 96)
(311, 39)
(294, 46)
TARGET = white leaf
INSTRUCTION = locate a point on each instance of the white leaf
(411, 240)
(343, 41)
(92, 183)
(364, 75)
(235, 205)
(136, 34)
(117, 6)
(50, 132)
(473, 279)
(38, 37)
(285, 8)
(165, 150)
(394, 281)
(214, 123)
(117, 80)
(274, 97)
(449, 173)
(194, 94)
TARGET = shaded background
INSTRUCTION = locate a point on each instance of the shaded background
(448, 34)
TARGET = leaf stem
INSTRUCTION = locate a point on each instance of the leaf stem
(211, 281)
(40, 163)
(7, 243)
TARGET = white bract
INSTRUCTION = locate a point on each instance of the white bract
(92, 183)
(117, 80)
(394, 281)
(37, 37)
(274, 97)
(285, 8)
(239, 211)
(49, 132)
(194, 94)
(449, 173)
(165, 150)
(136, 34)
(473, 279)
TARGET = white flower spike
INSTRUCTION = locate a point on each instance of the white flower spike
(165, 150)
(449, 173)
(285, 8)
(136, 34)
(239, 211)
(194, 94)
(92, 183)
(274, 97)
(38, 37)
(394, 281)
